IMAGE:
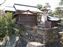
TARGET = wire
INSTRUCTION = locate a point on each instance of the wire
(3, 2)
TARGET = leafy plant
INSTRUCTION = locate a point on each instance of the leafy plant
(2, 26)
(7, 25)
(10, 23)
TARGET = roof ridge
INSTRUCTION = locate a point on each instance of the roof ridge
(25, 5)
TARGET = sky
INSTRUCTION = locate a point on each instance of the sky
(53, 3)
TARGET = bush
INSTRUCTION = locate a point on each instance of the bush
(7, 25)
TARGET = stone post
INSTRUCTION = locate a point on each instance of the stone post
(35, 44)
(44, 17)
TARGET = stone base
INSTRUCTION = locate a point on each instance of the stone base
(35, 44)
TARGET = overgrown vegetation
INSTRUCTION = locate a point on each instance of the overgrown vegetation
(7, 25)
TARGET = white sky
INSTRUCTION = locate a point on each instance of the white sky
(53, 3)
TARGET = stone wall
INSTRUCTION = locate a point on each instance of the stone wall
(48, 36)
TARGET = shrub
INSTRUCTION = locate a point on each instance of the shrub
(7, 25)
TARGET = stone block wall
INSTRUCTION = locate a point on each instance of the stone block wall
(47, 36)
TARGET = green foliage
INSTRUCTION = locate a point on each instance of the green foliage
(58, 12)
(61, 2)
(53, 38)
(10, 23)
(2, 26)
(7, 25)
(51, 13)
(39, 6)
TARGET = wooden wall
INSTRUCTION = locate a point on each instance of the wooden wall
(26, 19)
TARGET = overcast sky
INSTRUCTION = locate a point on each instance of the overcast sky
(53, 3)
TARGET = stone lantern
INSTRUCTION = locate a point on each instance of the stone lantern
(44, 16)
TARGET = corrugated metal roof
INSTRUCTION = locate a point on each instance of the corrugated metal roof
(53, 18)
(26, 7)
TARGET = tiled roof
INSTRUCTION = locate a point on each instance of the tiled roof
(26, 7)
(8, 8)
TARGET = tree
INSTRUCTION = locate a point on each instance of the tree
(61, 2)
(50, 13)
(58, 12)
(47, 6)
(39, 6)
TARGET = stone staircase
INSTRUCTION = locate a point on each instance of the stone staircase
(11, 42)
(40, 35)
(32, 36)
